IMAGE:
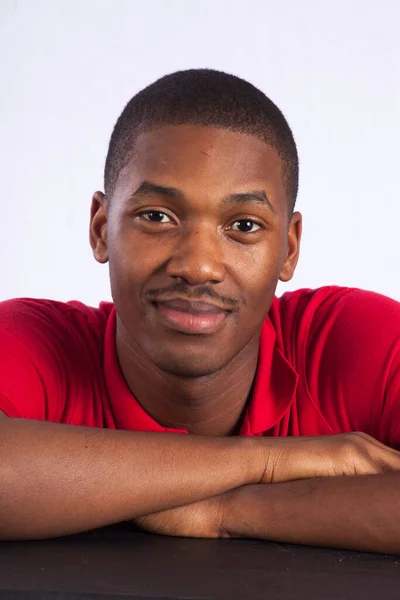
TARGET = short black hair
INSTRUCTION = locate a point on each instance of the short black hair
(203, 97)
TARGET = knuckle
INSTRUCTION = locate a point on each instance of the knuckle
(376, 469)
(363, 435)
(356, 457)
(359, 436)
(351, 447)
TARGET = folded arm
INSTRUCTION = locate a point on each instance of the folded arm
(351, 512)
(61, 479)
(358, 513)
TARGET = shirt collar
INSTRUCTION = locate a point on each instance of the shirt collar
(273, 389)
(274, 385)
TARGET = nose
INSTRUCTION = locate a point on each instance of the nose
(197, 257)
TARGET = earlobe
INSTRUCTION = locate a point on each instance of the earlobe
(98, 227)
(293, 248)
(287, 271)
(285, 275)
(100, 252)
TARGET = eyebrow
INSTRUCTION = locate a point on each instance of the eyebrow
(147, 188)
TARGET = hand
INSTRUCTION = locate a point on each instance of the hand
(356, 453)
(200, 520)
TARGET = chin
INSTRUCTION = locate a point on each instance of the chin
(189, 366)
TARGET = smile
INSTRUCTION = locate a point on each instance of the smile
(191, 319)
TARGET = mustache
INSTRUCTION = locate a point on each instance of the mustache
(202, 293)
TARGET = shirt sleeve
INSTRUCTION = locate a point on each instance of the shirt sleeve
(33, 375)
(354, 362)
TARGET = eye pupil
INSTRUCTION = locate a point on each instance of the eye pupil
(159, 215)
(246, 224)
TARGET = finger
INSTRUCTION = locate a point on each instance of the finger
(377, 443)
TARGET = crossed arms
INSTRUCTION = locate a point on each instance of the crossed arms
(353, 512)
(356, 505)
(341, 490)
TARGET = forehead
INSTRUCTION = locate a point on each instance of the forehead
(215, 160)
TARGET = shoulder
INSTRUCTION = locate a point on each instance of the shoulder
(43, 342)
(345, 345)
(42, 312)
(24, 316)
(339, 311)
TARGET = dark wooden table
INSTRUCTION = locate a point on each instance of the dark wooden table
(117, 561)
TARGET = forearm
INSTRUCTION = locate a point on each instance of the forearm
(60, 479)
(358, 512)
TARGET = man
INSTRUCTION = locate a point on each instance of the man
(197, 223)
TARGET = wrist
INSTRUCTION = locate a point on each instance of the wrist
(238, 512)
(255, 460)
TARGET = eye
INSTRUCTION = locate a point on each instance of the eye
(246, 226)
(154, 216)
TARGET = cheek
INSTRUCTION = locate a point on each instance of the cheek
(259, 268)
(258, 279)
(131, 256)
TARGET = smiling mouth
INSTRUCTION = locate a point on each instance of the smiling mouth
(194, 317)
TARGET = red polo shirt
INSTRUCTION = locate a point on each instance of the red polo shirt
(329, 362)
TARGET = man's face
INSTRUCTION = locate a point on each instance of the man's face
(199, 213)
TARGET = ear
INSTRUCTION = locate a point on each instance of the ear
(293, 247)
(98, 227)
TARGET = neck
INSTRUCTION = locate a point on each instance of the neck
(210, 405)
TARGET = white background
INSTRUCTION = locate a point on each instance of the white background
(68, 67)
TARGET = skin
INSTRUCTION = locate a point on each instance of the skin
(202, 382)
(201, 250)
(196, 485)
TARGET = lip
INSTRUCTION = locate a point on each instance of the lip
(191, 317)
(191, 306)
